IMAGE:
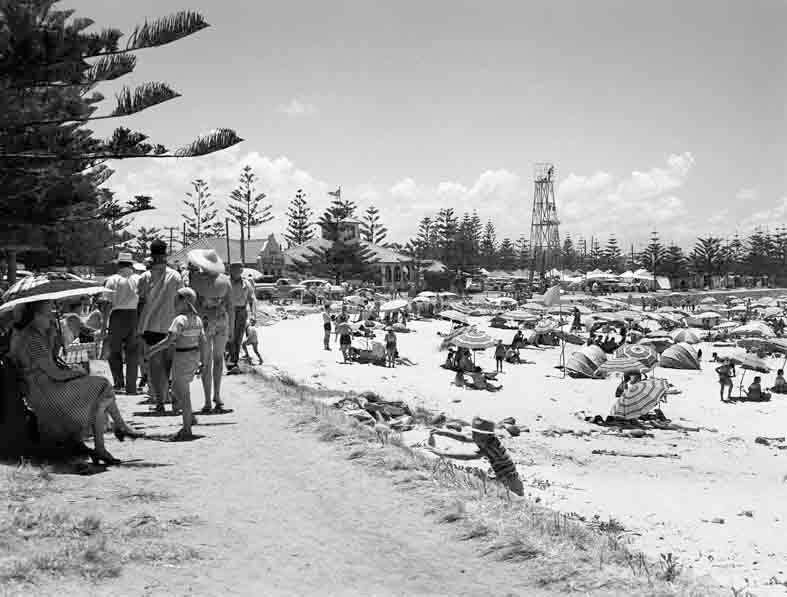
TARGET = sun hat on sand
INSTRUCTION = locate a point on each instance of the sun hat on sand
(206, 260)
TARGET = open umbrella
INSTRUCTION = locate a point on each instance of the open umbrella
(521, 316)
(707, 315)
(47, 287)
(725, 325)
(639, 398)
(427, 294)
(708, 300)
(686, 335)
(452, 315)
(534, 307)
(502, 300)
(355, 299)
(755, 328)
(750, 362)
(659, 344)
(474, 340)
(393, 305)
(680, 356)
(631, 357)
(545, 325)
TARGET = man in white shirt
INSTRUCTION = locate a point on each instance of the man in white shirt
(122, 324)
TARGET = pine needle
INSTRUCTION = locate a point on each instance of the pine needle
(111, 67)
(142, 97)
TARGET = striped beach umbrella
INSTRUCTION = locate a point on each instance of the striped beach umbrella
(750, 362)
(521, 316)
(474, 339)
(585, 362)
(47, 287)
(452, 315)
(680, 356)
(631, 357)
(639, 399)
(545, 325)
(659, 344)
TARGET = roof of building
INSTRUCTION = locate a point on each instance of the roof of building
(253, 247)
(379, 253)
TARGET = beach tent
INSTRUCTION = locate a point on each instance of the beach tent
(687, 335)
(640, 398)
(521, 316)
(680, 356)
(659, 344)
(585, 362)
(454, 316)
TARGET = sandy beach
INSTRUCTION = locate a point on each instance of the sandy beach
(718, 503)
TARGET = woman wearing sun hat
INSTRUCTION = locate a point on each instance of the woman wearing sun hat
(484, 437)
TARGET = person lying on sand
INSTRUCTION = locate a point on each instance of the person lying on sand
(489, 447)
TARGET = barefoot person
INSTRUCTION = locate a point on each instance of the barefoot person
(251, 340)
(726, 372)
(120, 317)
(69, 404)
(214, 305)
(489, 447)
(390, 348)
(157, 290)
(187, 337)
(326, 327)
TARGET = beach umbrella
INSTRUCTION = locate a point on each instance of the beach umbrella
(687, 335)
(750, 362)
(738, 309)
(752, 343)
(658, 344)
(568, 336)
(545, 325)
(503, 300)
(658, 334)
(521, 316)
(421, 299)
(772, 312)
(474, 339)
(639, 398)
(708, 300)
(447, 295)
(47, 287)
(754, 328)
(726, 325)
(680, 356)
(707, 315)
(427, 294)
(585, 362)
(355, 299)
(453, 315)
(393, 305)
(534, 307)
(777, 345)
(631, 357)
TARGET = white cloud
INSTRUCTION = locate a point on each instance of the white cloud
(765, 218)
(746, 194)
(295, 107)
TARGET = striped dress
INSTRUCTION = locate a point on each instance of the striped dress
(65, 410)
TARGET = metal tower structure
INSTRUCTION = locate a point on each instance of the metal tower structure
(544, 235)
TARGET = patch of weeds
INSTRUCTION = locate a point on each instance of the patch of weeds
(513, 551)
(329, 431)
(477, 531)
(356, 454)
(25, 482)
(670, 567)
(164, 553)
(288, 380)
(145, 496)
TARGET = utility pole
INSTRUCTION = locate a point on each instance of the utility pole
(172, 230)
(227, 230)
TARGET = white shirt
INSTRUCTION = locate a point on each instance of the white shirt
(124, 290)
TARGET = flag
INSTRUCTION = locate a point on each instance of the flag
(337, 193)
(552, 296)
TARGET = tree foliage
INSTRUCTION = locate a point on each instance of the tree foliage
(246, 206)
(201, 216)
(372, 229)
(299, 220)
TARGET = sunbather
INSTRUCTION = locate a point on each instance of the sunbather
(755, 393)
(779, 384)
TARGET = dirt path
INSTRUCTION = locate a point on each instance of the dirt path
(284, 514)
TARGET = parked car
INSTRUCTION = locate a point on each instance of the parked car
(281, 288)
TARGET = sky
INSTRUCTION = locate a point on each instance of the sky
(666, 115)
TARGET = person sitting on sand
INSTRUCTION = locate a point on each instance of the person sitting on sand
(390, 348)
(519, 340)
(465, 362)
(450, 360)
(489, 447)
(726, 372)
(755, 393)
(187, 335)
(512, 355)
(779, 384)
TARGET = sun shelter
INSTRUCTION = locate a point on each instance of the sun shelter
(584, 363)
(680, 356)
(687, 335)
(754, 328)
(749, 362)
(393, 305)
(455, 316)
(639, 399)
(658, 343)
(631, 357)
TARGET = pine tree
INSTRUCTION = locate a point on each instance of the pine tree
(653, 254)
(612, 256)
(372, 230)
(299, 224)
(489, 246)
(339, 209)
(446, 227)
(246, 206)
(476, 233)
(423, 246)
(142, 240)
(758, 252)
(569, 253)
(523, 253)
(674, 262)
(595, 255)
(707, 256)
(50, 164)
(507, 255)
(202, 220)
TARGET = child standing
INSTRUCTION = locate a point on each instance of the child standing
(390, 348)
(251, 340)
(187, 335)
(500, 355)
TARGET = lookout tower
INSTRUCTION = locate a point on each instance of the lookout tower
(544, 235)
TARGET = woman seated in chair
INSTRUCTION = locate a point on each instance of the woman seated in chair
(755, 393)
(68, 404)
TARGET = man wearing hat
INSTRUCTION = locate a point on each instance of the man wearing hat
(214, 304)
(120, 317)
(243, 303)
(157, 289)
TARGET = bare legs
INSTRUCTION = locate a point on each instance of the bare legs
(212, 369)
(180, 387)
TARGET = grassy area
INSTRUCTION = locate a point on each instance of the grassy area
(40, 542)
(562, 552)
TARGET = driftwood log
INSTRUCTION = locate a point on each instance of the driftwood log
(634, 454)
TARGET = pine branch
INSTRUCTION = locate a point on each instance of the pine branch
(108, 68)
(166, 30)
(209, 143)
(142, 97)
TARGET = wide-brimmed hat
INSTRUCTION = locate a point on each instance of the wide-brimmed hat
(125, 258)
(187, 294)
(483, 426)
(206, 260)
(140, 267)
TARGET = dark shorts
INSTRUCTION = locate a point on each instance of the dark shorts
(153, 338)
(345, 340)
(725, 381)
(326, 326)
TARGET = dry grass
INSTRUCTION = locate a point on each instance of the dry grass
(39, 541)
(562, 552)
(145, 496)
